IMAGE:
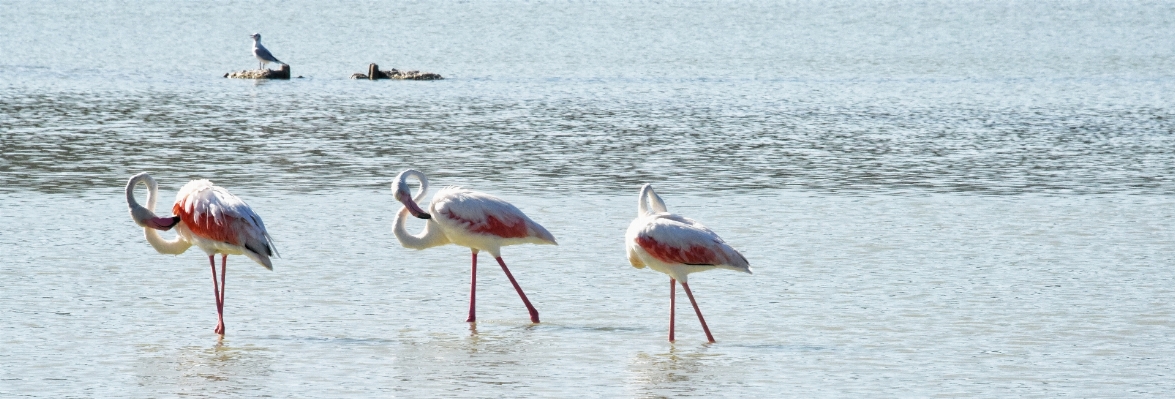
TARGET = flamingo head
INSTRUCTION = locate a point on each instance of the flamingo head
(145, 216)
(401, 192)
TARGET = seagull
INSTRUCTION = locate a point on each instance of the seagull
(262, 53)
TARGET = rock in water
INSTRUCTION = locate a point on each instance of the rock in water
(374, 73)
(411, 75)
(283, 73)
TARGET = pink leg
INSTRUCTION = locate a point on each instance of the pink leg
(216, 293)
(223, 275)
(534, 313)
(698, 311)
(473, 291)
(672, 305)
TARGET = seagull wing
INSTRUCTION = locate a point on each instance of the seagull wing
(263, 54)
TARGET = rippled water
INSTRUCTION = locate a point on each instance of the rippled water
(938, 198)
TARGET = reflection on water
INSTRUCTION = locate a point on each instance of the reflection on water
(221, 369)
(680, 371)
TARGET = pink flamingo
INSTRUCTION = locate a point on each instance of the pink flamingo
(478, 221)
(209, 217)
(677, 246)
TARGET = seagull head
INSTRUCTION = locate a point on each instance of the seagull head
(256, 36)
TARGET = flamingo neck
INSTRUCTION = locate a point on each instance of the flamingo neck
(648, 202)
(432, 235)
(145, 216)
(140, 214)
(400, 186)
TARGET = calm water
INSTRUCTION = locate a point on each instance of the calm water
(938, 198)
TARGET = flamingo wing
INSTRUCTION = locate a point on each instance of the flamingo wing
(482, 213)
(215, 214)
(675, 239)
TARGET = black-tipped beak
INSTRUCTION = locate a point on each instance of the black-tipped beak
(413, 208)
(164, 224)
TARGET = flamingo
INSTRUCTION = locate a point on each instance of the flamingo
(677, 246)
(210, 218)
(478, 221)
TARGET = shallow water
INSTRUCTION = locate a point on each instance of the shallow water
(937, 198)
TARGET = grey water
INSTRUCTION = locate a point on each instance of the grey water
(955, 199)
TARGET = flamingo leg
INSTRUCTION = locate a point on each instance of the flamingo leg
(216, 293)
(672, 305)
(473, 291)
(698, 311)
(534, 313)
(223, 275)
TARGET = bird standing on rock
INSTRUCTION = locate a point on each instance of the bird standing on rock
(262, 53)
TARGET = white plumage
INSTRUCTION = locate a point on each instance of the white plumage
(209, 217)
(677, 246)
(262, 54)
(232, 220)
(478, 221)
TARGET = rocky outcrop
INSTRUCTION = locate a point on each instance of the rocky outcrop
(283, 73)
(374, 73)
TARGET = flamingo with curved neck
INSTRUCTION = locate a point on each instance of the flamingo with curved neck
(677, 246)
(475, 220)
(208, 217)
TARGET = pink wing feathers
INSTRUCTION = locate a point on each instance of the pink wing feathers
(482, 213)
(213, 213)
(675, 239)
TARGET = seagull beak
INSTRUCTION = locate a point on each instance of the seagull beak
(413, 208)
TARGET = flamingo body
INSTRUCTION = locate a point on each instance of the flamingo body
(218, 222)
(475, 220)
(677, 246)
(482, 221)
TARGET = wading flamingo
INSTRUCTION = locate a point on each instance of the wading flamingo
(677, 246)
(210, 218)
(478, 221)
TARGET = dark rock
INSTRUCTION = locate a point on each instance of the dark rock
(374, 73)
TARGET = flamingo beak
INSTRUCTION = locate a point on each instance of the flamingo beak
(413, 208)
(164, 224)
